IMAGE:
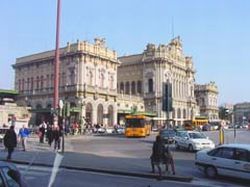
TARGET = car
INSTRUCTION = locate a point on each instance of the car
(229, 160)
(167, 135)
(192, 140)
(11, 176)
(206, 127)
(120, 130)
(110, 130)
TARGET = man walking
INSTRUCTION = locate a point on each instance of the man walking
(10, 141)
(23, 134)
(56, 132)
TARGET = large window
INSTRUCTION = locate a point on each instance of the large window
(121, 87)
(133, 87)
(127, 88)
(150, 85)
(139, 88)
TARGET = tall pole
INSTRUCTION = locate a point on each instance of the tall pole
(57, 63)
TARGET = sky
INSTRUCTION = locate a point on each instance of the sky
(216, 33)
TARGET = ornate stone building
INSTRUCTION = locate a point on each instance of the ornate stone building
(88, 79)
(207, 99)
(145, 75)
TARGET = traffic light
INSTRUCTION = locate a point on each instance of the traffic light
(67, 109)
(167, 97)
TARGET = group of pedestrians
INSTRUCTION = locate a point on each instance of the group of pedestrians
(51, 134)
(161, 155)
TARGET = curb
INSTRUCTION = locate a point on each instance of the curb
(114, 172)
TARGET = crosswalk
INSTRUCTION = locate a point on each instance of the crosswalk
(34, 172)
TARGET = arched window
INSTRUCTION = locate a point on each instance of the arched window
(173, 113)
(89, 111)
(121, 87)
(19, 85)
(32, 83)
(102, 80)
(37, 82)
(133, 88)
(150, 85)
(110, 116)
(179, 113)
(22, 84)
(28, 84)
(184, 113)
(72, 77)
(47, 81)
(100, 114)
(111, 82)
(139, 88)
(41, 82)
(127, 88)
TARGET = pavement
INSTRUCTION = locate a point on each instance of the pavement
(39, 154)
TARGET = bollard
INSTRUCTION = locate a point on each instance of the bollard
(221, 136)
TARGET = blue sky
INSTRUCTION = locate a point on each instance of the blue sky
(216, 33)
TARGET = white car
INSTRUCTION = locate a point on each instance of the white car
(192, 140)
(228, 159)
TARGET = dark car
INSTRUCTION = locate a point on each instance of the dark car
(167, 135)
(206, 127)
(10, 176)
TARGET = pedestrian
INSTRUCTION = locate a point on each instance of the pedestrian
(42, 132)
(56, 132)
(169, 160)
(10, 141)
(157, 155)
(49, 134)
(24, 134)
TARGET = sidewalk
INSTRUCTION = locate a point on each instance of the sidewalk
(43, 155)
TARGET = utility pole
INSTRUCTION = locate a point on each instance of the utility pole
(56, 74)
(56, 64)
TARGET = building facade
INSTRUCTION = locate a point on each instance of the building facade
(146, 74)
(207, 100)
(88, 79)
(242, 113)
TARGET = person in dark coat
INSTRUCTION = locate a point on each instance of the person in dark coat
(10, 141)
(56, 133)
(49, 135)
(157, 155)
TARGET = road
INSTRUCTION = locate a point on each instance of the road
(130, 154)
(138, 151)
(40, 176)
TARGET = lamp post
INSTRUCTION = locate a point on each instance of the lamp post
(56, 64)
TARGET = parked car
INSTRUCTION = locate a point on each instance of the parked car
(11, 176)
(192, 140)
(120, 130)
(167, 135)
(228, 159)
